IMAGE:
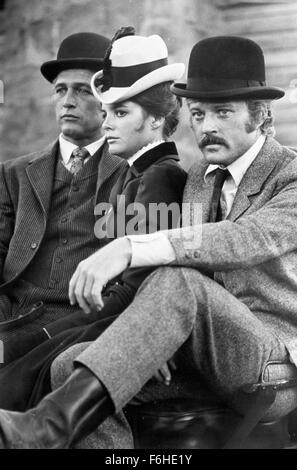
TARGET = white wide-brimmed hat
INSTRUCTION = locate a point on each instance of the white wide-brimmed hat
(136, 63)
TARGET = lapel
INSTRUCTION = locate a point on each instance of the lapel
(255, 177)
(197, 191)
(40, 173)
(108, 164)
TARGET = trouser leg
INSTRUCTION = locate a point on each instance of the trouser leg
(229, 345)
(145, 335)
(181, 308)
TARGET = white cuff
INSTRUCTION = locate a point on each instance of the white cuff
(153, 249)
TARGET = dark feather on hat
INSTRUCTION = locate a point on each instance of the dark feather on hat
(106, 79)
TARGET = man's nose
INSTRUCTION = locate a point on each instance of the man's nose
(209, 124)
(69, 99)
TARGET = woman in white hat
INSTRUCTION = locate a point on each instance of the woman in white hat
(141, 114)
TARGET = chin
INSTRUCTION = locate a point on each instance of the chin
(71, 132)
(116, 150)
(216, 158)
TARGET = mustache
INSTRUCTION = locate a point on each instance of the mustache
(211, 140)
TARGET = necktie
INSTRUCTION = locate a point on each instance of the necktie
(77, 159)
(215, 211)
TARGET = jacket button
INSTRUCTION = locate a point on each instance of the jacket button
(33, 246)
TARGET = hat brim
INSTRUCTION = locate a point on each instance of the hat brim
(259, 92)
(167, 73)
(52, 68)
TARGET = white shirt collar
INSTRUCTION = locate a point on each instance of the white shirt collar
(66, 147)
(238, 168)
(144, 149)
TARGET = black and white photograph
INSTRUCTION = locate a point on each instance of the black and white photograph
(148, 227)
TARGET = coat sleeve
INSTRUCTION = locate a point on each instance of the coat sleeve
(160, 184)
(256, 238)
(7, 219)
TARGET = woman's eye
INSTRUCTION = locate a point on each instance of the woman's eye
(120, 113)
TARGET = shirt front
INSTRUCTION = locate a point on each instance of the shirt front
(237, 170)
(66, 149)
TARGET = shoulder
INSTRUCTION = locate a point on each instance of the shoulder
(167, 169)
(278, 153)
(287, 174)
(23, 160)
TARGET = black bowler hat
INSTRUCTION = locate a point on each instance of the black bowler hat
(80, 50)
(225, 67)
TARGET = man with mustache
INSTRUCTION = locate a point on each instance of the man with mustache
(224, 302)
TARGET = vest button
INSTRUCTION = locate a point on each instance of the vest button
(64, 241)
(59, 260)
(33, 246)
(64, 219)
(52, 283)
(75, 188)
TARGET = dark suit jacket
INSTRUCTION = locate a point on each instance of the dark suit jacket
(26, 188)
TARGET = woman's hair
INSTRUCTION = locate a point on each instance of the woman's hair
(159, 101)
(260, 111)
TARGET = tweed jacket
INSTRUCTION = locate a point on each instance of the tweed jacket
(254, 251)
(26, 188)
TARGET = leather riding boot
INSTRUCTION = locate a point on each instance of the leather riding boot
(61, 419)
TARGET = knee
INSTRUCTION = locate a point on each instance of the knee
(62, 367)
(171, 280)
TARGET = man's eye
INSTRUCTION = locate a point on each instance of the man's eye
(197, 116)
(224, 112)
(84, 91)
(60, 91)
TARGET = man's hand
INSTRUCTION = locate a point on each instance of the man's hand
(93, 273)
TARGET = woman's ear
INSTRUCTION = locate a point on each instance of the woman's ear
(157, 121)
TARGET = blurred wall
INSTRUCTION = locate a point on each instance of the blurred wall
(31, 31)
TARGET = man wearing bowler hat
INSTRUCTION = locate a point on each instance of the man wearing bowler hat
(47, 205)
(226, 304)
(47, 200)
